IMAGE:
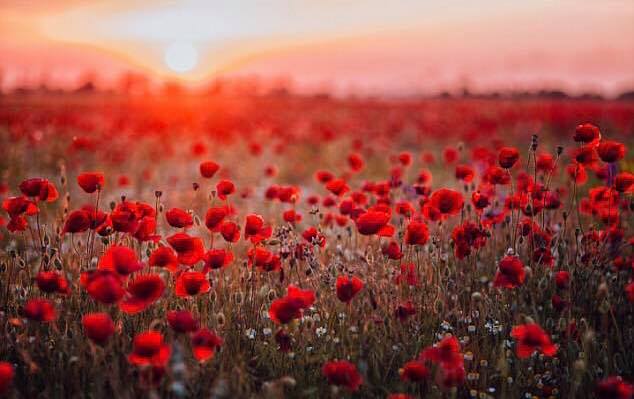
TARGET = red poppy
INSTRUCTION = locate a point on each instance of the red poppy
(508, 157)
(313, 236)
(190, 249)
(208, 169)
(445, 353)
(496, 175)
(408, 275)
(98, 327)
(416, 233)
(323, 176)
(17, 206)
(447, 201)
(374, 222)
(611, 151)
(225, 188)
(405, 158)
(121, 260)
(52, 281)
(338, 187)
(38, 309)
(585, 155)
(348, 288)
(342, 373)
(146, 230)
(577, 172)
(164, 257)
(230, 231)
(629, 292)
(510, 273)
(624, 182)
(104, 286)
(182, 321)
(479, 200)
(215, 216)
(39, 189)
(77, 222)
(466, 237)
(414, 371)
(264, 260)
(291, 216)
(450, 155)
(204, 344)
(179, 218)
(355, 161)
(587, 133)
(143, 291)
(405, 310)
(255, 229)
(392, 250)
(545, 162)
(464, 173)
(191, 283)
(531, 338)
(217, 258)
(562, 279)
(614, 388)
(91, 181)
(148, 348)
(6, 377)
(288, 308)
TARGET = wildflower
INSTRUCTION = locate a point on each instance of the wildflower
(190, 250)
(179, 218)
(614, 388)
(99, 327)
(91, 181)
(510, 273)
(342, 373)
(208, 169)
(6, 377)
(290, 307)
(414, 371)
(255, 229)
(149, 349)
(531, 338)
(508, 157)
(204, 344)
(348, 288)
(143, 290)
(38, 309)
(191, 283)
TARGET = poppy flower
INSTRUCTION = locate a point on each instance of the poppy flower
(408, 275)
(40, 310)
(189, 249)
(104, 286)
(148, 348)
(562, 279)
(338, 187)
(230, 231)
(99, 327)
(445, 353)
(508, 157)
(342, 373)
(191, 283)
(179, 218)
(323, 176)
(392, 250)
(585, 155)
(313, 236)
(479, 200)
(288, 308)
(121, 260)
(614, 388)
(225, 188)
(164, 257)
(143, 291)
(217, 258)
(77, 221)
(414, 371)
(255, 229)
(405, 158)
(264, 260)
(208, 169)
(348, 288)
(531, 338)
(624, 182)
(204, 344)
(496, 175)
(545, 162)
(629, 292)
(466, 237)
(450, 155)
(355, 161)
(146, 230)
(182, 321)
(91, 181)
(373, 222)
(448, 202)
(52, 282)
(510, 273)
(404, 310)
(611, 151)
(215, 216)
(291, 216)
(17, 206)
(6, 377)
(416, 233)
(39, 189)
(464, 173)
(587, 133)
(288, 194)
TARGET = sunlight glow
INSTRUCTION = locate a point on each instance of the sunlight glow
(181, 57)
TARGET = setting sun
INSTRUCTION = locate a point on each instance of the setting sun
(181, 57)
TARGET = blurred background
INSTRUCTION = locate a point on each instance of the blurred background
(378, 48)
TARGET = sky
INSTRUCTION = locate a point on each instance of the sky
(394, 47)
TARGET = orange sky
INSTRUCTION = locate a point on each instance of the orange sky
(370, 46)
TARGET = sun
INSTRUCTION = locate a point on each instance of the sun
(181, 57)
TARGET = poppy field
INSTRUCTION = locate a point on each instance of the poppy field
(275, 246)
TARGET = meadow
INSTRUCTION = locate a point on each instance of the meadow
(235, 246)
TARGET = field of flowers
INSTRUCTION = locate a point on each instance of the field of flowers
(287, 246)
